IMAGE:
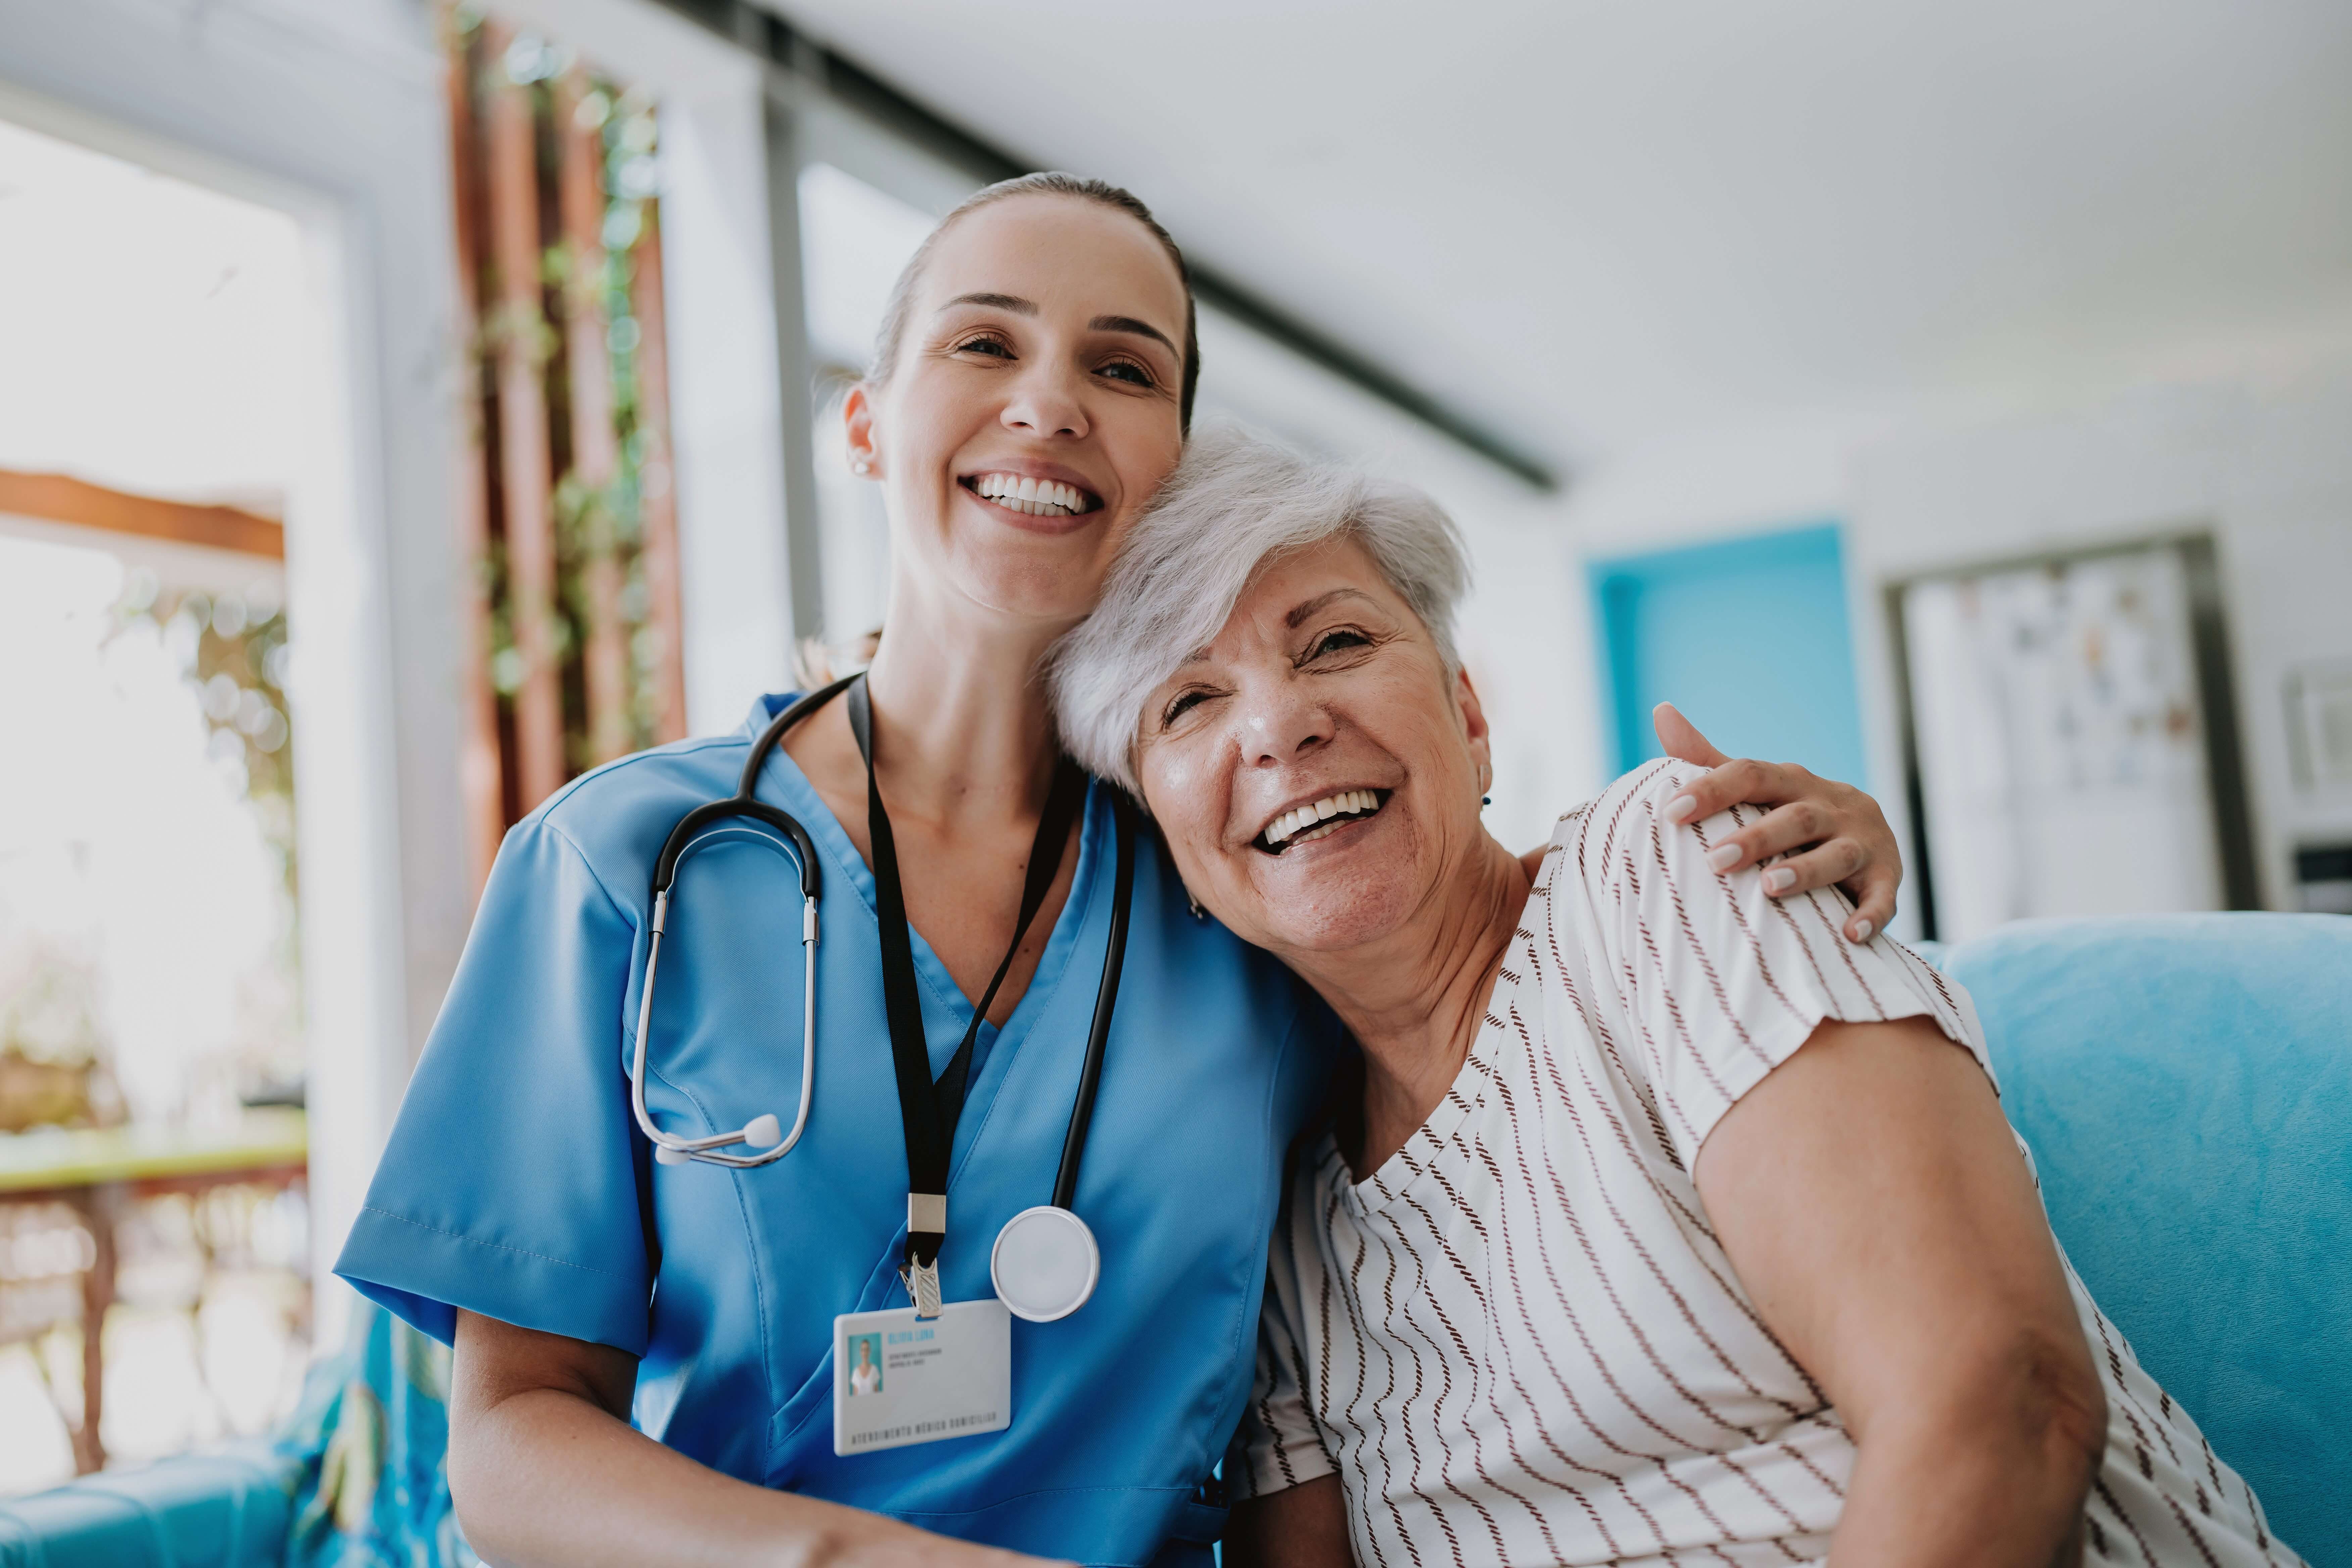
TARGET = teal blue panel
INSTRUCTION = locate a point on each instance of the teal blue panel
(226, 1508)
(1749, 637)
(2185, 1082)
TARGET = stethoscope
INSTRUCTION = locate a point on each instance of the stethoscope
(1045, 1263)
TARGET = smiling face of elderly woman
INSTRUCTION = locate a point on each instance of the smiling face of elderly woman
(1324, 699)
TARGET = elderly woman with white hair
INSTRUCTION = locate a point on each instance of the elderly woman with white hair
(1653, 1223)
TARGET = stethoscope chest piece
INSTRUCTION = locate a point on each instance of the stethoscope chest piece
(1044, 1264)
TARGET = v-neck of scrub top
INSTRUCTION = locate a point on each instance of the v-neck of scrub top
(782, 775)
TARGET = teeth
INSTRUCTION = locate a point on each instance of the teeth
(1296, 822)
(1030, 497)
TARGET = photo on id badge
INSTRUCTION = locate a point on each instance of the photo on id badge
(865, 1364)
(901, 1379)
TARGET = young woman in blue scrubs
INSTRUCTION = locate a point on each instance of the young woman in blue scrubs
(644, 1368)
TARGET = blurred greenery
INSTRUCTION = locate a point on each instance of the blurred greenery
(592, 520)
(53, 1044)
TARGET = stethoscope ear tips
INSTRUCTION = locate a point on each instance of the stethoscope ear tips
(760, 1133)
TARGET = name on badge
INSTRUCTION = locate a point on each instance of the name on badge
(900, 1379)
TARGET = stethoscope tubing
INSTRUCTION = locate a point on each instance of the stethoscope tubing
(1074, 1143)
(705, 1150)
(794, 842)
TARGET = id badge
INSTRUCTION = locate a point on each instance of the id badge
(898, 1379)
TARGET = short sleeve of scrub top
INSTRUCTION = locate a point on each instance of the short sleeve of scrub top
(517, 1175)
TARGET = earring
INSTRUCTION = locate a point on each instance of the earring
(1486, 800)
(860, 467)
(1198, 912)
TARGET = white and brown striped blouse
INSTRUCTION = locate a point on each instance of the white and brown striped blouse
(1520, 1342)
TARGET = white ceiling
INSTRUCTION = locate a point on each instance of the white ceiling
(1590, 225)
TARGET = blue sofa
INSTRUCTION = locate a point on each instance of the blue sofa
(228, 1509)
(2185, 1083)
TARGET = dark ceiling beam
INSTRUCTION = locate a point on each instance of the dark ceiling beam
(857, 87)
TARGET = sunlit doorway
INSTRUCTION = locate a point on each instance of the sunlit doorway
(154, 1250)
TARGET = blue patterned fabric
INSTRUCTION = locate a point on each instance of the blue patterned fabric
(355, 1480)
(2185, 1082)
(370, 1437)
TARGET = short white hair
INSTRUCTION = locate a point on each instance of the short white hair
(1233, 505)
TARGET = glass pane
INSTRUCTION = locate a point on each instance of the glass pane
(2062, 750)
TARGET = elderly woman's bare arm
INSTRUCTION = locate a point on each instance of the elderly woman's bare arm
(1871, 1197)
(1304, 1526)
(545, 1468)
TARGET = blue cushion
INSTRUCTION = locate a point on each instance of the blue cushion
(228, 1509)
(2185, 1083)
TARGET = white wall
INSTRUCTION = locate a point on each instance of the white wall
(2262, 456)
(334, 114)
(2267, 466)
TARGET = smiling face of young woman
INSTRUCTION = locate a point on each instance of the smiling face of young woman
(1032, 408)
(1315, 769)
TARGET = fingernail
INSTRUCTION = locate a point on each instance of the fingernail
(1723, 857)
(1862, 930)
(1780, 880)
(1679, 809)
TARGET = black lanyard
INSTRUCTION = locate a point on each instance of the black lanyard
(929, 1110)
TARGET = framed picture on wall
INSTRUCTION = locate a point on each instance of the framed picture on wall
(2070, 738)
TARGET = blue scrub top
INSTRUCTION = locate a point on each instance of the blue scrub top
(517, 1186)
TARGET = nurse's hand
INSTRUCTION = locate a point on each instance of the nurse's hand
(545, 1469)
(1832, 833)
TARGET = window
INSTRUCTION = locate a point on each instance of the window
(152, 1216)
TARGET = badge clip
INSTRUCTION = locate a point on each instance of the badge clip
(922, 1282)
